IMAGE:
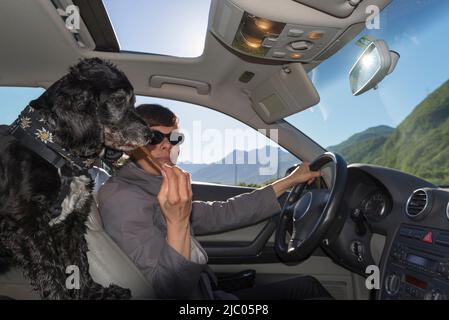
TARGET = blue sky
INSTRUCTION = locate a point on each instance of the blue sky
(15, 100)
(170, 27)
(417, 29)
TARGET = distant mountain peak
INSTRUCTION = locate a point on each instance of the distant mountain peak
(370, 133)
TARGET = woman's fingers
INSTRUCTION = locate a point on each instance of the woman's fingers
(163, 192)
(182, 184)
(315, 174)
(189, 184)
(173, 190)
(303, 174)
(179, 188)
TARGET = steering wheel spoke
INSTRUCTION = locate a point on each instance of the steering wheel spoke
(293, 244)
(310, 214)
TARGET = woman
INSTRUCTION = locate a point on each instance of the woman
(148, 210)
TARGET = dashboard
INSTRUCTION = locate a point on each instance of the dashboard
(399, 223)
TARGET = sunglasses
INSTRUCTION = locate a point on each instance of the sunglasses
(173, 137)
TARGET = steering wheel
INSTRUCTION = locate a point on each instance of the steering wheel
(312, 213)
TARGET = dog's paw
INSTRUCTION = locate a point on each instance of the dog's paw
(116, 292)
(113, 292)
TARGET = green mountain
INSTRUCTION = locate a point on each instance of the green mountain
(419, 145)
(362, 146)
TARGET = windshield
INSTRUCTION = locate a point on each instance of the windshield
(404, 124)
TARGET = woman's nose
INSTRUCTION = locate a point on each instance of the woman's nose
(166, 145)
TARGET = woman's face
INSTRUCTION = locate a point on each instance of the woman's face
(165, 152)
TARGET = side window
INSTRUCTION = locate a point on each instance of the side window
(14, 99)
(220, 149)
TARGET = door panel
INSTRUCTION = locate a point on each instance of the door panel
(245, 245)
(252, 247)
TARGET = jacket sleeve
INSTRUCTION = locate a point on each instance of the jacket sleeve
(129, 218)
(242, 210)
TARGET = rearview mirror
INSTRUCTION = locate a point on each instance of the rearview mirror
(373, 65)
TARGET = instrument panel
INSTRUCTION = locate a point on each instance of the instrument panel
(376, 205)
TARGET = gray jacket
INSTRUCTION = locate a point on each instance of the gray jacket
(133, 218)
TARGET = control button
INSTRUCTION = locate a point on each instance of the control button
(279, 54)
(442, 240)
(392, 284)
(434, 295)
(315, 35)
(295, 33)
(439, 296)
(301, 45)
(403, 256)
(269, 42)
(358, 249)
(428, 238)
(393, 253)
(296, 56)
(443, 269)
(418, 235)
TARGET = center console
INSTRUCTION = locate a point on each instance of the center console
(418, 265)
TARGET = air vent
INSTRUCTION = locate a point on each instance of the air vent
(447, 211)
(419, 204)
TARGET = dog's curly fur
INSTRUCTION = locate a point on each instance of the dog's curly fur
(89, 108)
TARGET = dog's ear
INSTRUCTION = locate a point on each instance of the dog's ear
(46, 99)
(38, 103)
(74, 122)
(99, 74)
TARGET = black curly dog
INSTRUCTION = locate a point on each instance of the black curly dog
(89, 109)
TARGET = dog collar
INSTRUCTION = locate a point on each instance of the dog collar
(30, 129)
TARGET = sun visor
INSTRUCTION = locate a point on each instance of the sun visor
(336, 8)
(288, 91)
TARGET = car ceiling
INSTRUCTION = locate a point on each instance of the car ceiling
(37, 50)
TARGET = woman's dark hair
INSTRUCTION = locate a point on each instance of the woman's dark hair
(157, 115)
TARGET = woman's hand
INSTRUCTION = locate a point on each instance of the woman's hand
(300, 175)
(175, 196)
(175, 199)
